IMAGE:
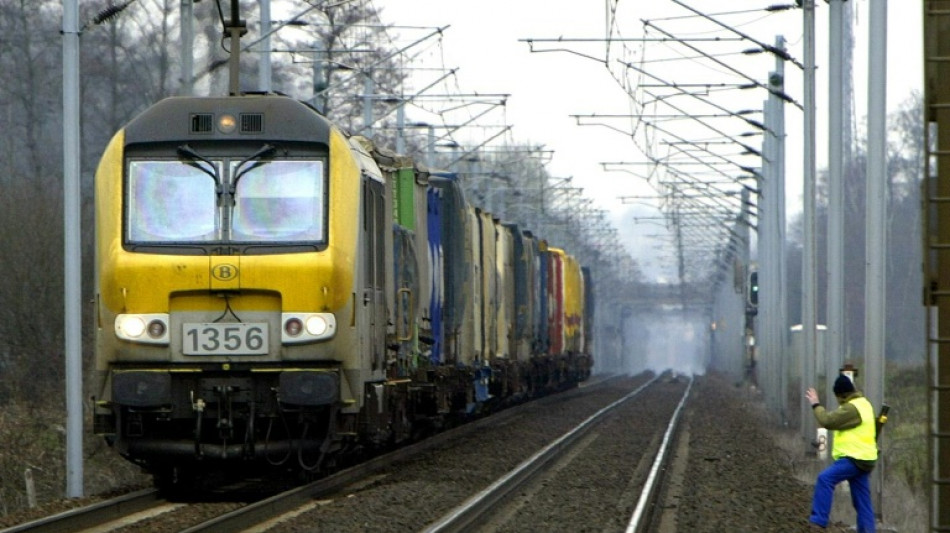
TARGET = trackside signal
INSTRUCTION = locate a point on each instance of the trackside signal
(754, 288)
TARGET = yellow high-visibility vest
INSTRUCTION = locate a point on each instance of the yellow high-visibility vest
(858, 442)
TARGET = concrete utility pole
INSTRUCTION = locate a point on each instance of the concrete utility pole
(72, 256)
(264, 68)
(876, 236)
(320, 80)
(780, 270)
(187, 47)
(369, 87)
(401, 128)
(834, 349)
(772, 320)
(767, 330)
(809, 264)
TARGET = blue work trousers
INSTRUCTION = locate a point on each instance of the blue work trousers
(860, 482)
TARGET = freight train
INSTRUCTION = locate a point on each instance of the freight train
(275, 293)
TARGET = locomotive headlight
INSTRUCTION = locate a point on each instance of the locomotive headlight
(130, 326)
(317, 325)
(227, 123)
(142, 328)
(301, 328)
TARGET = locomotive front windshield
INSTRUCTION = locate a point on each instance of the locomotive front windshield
(279, 201)
(224, 200)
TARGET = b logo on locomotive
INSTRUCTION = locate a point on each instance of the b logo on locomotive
(224, 272)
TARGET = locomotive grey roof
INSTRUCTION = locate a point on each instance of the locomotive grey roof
(270, 117)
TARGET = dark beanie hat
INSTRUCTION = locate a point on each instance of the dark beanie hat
(843, 385)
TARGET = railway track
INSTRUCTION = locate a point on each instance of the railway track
(493, 508)
(83, 518)
(285, 508)
(726, 474)
(531, 496)
(147, 511)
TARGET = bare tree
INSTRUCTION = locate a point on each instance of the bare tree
(905, 314)
(30, 319)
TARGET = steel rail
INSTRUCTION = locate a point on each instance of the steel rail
(647, 495)
(91, 515)
(469, 513)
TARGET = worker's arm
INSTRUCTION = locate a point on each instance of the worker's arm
(844, 417)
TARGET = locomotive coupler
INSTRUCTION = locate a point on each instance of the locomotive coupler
(225, 413)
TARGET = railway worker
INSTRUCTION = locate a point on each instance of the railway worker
(854, 452)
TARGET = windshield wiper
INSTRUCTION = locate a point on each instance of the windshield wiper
(239, 172)
(210, 170)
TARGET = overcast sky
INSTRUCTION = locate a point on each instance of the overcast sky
(484, 40)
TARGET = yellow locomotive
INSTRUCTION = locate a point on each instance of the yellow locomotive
(272, 291)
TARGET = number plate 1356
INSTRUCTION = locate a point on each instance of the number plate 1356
(224, 339)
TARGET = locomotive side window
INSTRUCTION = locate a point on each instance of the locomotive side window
(280, 201)
(169, 202)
